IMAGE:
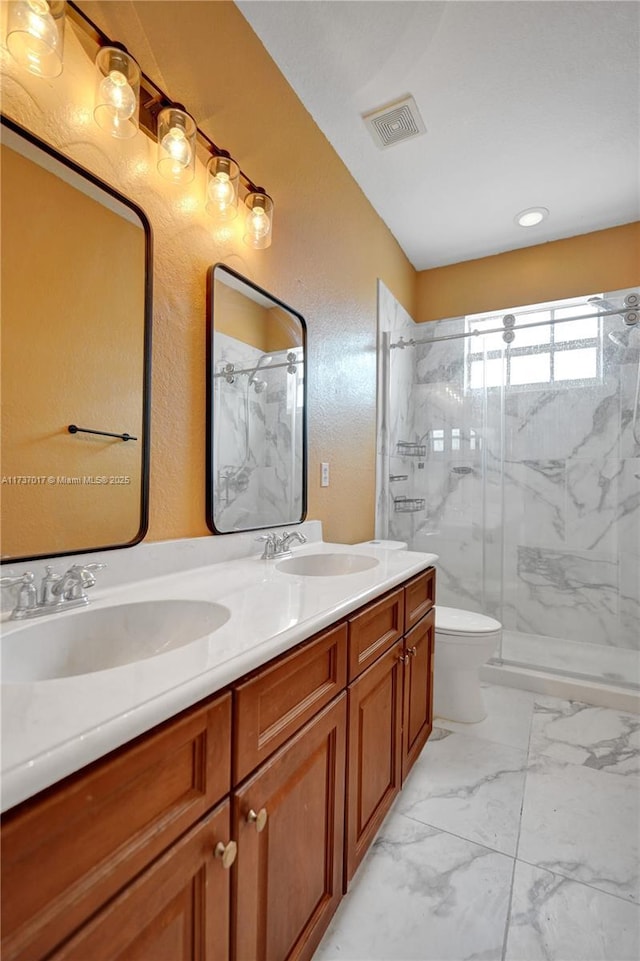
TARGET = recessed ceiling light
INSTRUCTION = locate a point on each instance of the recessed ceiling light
(531, 216)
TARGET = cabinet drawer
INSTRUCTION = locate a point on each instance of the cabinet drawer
(373, 630)
(274, 704)
(419, 597)
(69, 850)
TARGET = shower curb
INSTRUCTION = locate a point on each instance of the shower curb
(590, 692)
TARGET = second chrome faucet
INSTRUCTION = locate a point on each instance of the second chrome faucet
(278, 545)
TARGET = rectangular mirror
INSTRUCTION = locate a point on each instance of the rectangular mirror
(76, 336)
(256, 423)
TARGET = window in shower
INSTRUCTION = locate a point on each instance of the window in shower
(562, 351)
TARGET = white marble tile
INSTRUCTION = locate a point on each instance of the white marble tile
(508, 720)
(595, 737)
(603, 504)
(629, 600)
(560, 422)
(400, 369)
(570, 594)
(555, 919)
(534, 502)
(583, 824)
(470, 787)
(422, 894)
(628, 510)
(445, 405)
(459, 574)
(630, 431)
(442, 362)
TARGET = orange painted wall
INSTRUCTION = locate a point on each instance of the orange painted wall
(600, 261)
(240, 317)
(265, 328)
(329, 245)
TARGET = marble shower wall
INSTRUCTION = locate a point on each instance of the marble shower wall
(532, 495)
(396, 372)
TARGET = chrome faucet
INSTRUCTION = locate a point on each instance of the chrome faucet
(277, 545)
(269, 545)
(58, 592)
(72, 585)
(286, 539)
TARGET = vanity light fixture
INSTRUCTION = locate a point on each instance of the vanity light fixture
(35, 35)
(531, 217)
(176, 144)
(223, 177)
(117, 92)
(259, 219)
(126, 99)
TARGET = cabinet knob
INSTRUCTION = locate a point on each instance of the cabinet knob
(259, 819)
(412, 651)
(226, 852)
(403, 657)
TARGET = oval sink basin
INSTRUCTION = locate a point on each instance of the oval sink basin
(99, 639)
(327, 565)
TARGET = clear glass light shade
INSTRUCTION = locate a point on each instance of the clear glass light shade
(117, 93)
(259, 220)
(176, 145)
(223, 176)
(35, 35)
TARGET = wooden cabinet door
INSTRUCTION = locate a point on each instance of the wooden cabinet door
(177, 910)
(288, 880)
(417, 714)
(374, 752)
(66, 852)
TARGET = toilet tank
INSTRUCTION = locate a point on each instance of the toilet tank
(387, 545)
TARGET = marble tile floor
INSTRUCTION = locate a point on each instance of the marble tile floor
(515, 839)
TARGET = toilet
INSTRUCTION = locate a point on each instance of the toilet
(387, 545)
(464, 641)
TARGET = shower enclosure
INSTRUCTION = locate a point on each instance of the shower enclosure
(515, 456)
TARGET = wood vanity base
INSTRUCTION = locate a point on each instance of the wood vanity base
(231, 830)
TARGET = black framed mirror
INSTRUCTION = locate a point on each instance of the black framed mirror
(256, 407)
(76, 296)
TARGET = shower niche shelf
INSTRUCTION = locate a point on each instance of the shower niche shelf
(408, 505)
(406, 449)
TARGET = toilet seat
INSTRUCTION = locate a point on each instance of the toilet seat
(453, 622)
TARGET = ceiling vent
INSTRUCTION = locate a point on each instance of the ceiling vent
(394, 122)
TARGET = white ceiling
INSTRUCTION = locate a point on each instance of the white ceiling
(526, 103)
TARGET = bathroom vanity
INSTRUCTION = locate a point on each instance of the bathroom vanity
(232, 828)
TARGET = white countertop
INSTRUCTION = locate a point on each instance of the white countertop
(54, 727)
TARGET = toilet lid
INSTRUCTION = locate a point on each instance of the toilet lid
(451, 620)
